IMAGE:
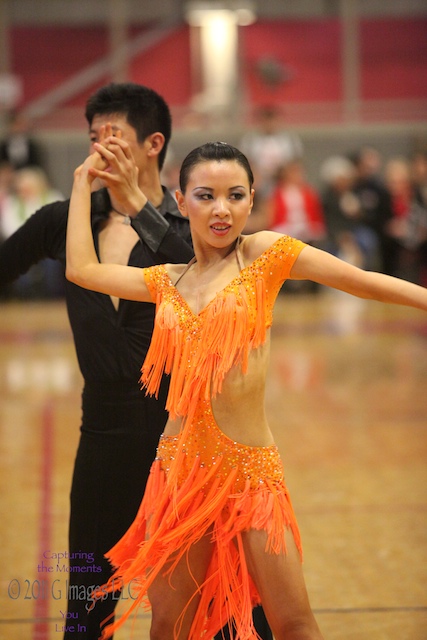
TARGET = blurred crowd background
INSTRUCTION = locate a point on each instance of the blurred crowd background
(327, 98)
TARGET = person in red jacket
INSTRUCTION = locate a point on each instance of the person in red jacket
(294, 207)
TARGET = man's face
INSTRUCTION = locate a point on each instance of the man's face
(128, 134)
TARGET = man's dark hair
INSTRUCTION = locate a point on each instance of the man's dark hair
(145, 110)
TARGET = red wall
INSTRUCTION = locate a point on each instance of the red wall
(46, 56)
(311, 52)
(393, 60)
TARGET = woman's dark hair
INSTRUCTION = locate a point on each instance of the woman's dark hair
(217, 151)
(144, 109)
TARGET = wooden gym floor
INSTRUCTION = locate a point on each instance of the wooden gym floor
(347, 400)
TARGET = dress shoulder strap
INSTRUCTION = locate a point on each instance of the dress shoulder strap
(186, 268)
(239, 259)
(239, 256)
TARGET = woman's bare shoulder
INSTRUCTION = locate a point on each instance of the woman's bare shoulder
(255, 244)
(174, 271)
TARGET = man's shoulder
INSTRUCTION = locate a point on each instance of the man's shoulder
(52, 213)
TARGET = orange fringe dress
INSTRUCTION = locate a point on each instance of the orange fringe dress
(201, 480)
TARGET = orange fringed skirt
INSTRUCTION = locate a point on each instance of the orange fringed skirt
(198, 483)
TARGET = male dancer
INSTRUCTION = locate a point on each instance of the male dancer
(120, 426)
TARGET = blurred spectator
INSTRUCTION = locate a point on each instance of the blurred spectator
(408, 227)
(418, 214)
(349, 236)
(375, 200)
(294, 207)
(18, 147)
(368, 161)
(30, 190)
(6, 180)
(268, 147)
(419, 177)
(398, 181)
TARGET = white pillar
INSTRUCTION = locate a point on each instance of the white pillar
(215, 55)
(218, 46)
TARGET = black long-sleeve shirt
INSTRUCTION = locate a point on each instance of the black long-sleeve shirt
(111, 344)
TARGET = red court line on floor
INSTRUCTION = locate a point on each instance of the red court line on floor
(41, 604)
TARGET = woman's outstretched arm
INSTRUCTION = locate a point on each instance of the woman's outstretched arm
(320, 266)
(83, 267)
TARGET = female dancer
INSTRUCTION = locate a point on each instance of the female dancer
(215, 533)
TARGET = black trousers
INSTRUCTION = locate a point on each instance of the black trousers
(119, 436)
